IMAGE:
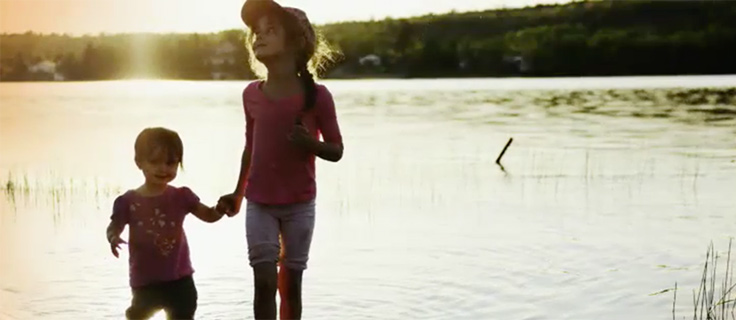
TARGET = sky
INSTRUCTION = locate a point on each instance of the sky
(78, 17)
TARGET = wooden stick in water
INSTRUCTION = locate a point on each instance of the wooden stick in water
(498, 160)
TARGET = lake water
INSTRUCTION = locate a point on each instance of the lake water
(613, 188)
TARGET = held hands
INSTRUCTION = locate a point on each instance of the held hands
(223, 208)
(226, 204)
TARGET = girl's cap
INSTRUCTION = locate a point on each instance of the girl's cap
(255, 9)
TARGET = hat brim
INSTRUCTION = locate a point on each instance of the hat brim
(255, 9)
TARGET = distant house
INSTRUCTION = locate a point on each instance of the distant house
(522, 65)
(45, 70)
(221, 59)
(371, 59)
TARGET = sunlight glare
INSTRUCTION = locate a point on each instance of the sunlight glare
(192, 15)
(161, 315)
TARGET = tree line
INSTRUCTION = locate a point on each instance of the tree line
(590, 38)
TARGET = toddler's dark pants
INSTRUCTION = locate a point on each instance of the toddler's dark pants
(177, 298)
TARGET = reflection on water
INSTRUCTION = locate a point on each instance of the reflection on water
(678, 105)
(606, 181)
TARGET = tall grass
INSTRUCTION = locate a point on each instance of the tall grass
(54, 188)
(710, 303)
